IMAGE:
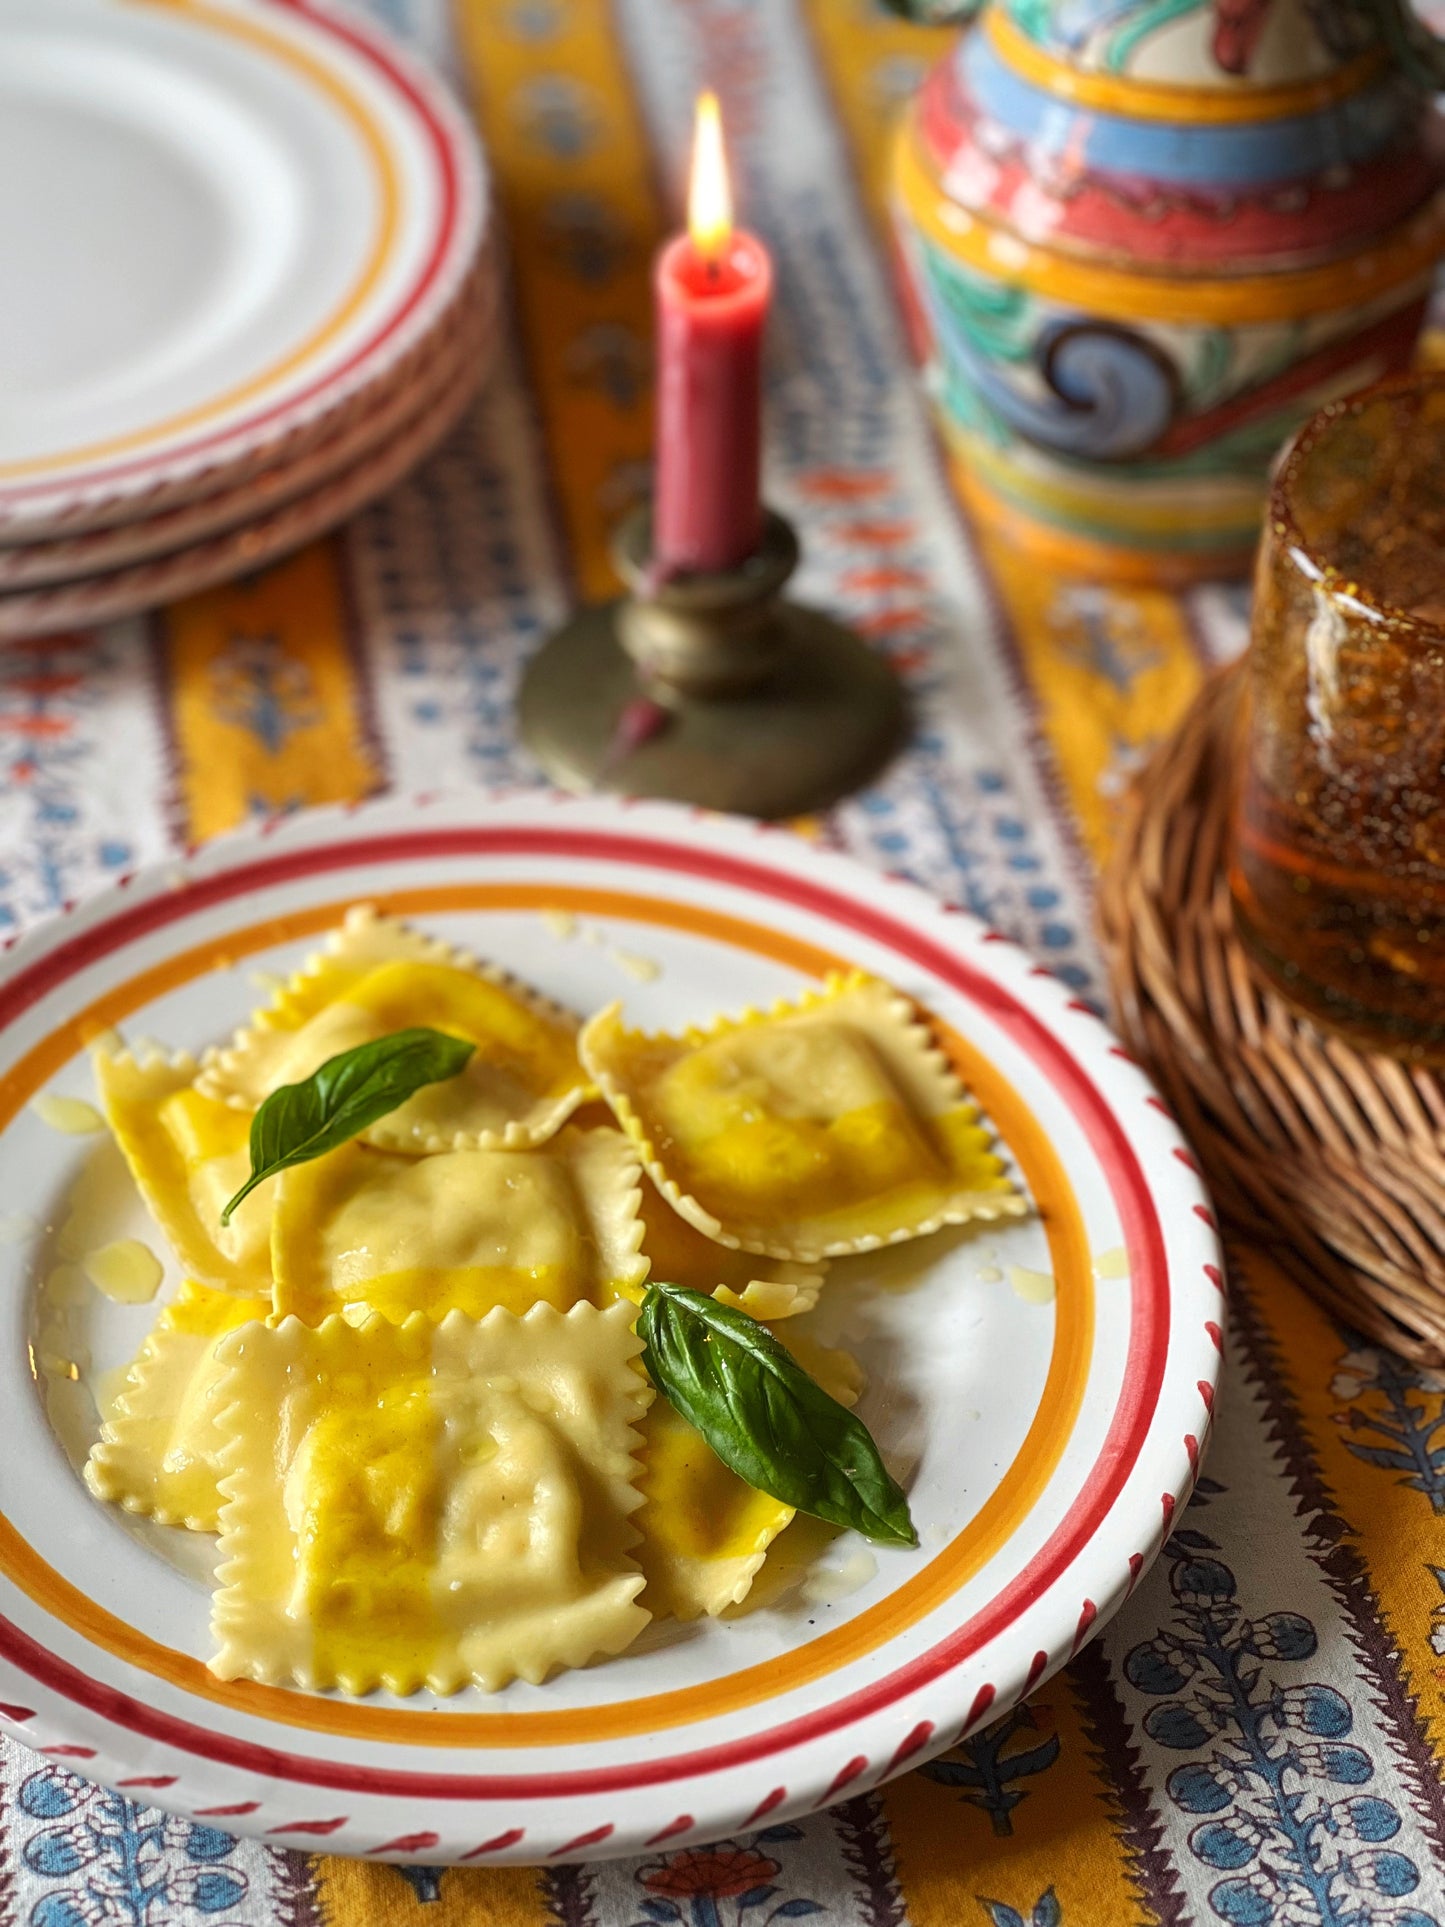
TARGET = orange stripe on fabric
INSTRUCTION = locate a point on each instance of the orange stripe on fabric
(1018, 1810)
(1112, 669)
(573, 173)
(264, 695)
(349, 1892)
(872, 60)
(1358, 1401)
(938, 1581)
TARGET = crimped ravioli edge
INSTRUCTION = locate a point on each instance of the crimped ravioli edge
(518, 1134)
(231, 1661)
(965, 1207)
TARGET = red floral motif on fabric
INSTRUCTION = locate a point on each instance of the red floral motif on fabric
(720, 1872)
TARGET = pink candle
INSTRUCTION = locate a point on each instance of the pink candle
(713, 285)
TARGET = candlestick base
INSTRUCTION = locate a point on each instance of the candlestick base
(710, 689)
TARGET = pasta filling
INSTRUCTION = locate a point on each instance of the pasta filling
(438, 1505)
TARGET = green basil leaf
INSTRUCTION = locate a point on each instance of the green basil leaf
(346, 1094)
(765, 1418)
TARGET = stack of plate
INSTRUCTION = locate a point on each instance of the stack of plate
(247, 282)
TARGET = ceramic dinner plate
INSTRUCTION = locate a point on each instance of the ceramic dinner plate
(233, 552)
(1044, 1388)
(459, 349)
(221, 221)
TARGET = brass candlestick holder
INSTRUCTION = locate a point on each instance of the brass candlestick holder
(711, 689)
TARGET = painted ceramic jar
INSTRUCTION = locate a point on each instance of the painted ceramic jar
(1144, 239)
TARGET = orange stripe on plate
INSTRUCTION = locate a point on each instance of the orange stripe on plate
(355, 110)
(995, 1522)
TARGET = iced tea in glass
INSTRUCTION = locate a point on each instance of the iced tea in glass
(1338, 869)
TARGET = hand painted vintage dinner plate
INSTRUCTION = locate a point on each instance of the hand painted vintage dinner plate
(222, 223)
(1044, 1386)
(264, 538)
(459, 350)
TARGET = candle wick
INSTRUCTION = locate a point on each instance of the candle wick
(713, 266)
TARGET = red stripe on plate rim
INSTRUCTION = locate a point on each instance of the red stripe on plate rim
(1143, 1374)
(371, 49)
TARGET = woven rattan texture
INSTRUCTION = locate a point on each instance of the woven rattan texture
(1333, 1159)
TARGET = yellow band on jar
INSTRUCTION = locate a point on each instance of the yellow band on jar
(1162, 100)
(1405, 257)
(1135, 516)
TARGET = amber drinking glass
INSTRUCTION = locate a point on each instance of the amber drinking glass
(1338, 870)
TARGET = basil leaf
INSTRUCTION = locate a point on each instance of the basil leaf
(346, 1094)
(765, 1418)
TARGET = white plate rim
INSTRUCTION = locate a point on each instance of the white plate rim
(308, 514)
(280, 426)
(1187, 1293)
(460, 346)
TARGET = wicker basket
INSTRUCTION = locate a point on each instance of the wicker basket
(1332, 1159)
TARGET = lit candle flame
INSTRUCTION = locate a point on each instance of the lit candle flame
(709, 195)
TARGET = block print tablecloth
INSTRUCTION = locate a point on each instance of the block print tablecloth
(1257, 1738)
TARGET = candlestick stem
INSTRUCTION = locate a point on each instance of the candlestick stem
(712, 689)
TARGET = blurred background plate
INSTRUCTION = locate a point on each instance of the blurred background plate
(222, 223)
(461, 344)
(236, 552)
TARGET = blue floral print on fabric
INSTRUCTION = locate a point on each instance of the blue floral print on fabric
(1396, 1418)
(985, 1768)
(1278, 1786)
(115, 1863)
(1046, 1912)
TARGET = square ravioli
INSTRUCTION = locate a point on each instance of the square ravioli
(159, 1448)
(377, 976)
(459, 1231)
(706, 1532)
(429, 1505)
(188, 1154)
(828, 1125)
